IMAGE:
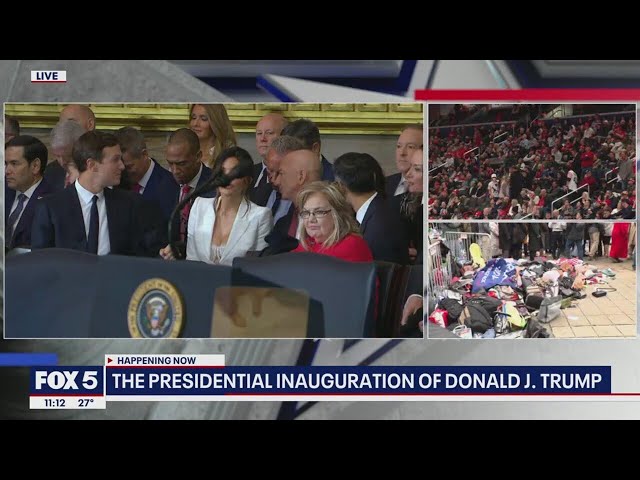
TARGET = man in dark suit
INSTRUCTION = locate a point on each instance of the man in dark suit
(410, 139)
(297, 169)
(145, 175)
(25, 159)
(88, 215)
(308, 132)
(184, 159)
(63, 136)
(268, 129)
(363, 179)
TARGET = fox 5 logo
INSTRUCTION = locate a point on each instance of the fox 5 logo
(80, 379)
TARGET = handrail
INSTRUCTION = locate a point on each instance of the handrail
(498, 136)
(607, 114)
(607, 173)
(570, 193)
(468, 152)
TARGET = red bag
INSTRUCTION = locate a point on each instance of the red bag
(440, 317)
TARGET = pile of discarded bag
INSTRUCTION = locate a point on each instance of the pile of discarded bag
(507, 298)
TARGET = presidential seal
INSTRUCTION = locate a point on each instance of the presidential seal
(155, 310)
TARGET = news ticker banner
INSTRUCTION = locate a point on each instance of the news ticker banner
(207, 378)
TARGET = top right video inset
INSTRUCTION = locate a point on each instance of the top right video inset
(531, 161)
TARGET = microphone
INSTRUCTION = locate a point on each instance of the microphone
(220, 180)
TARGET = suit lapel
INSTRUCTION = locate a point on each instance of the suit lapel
(112, 216)
(240, 225)
(10, 196)
(150, 188)
(27, 216)
(367, 216)
(76, 217)
(204, 229)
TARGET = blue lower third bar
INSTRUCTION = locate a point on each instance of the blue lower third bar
(27, 359)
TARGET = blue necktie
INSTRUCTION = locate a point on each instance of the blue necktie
(94, 227)
(13, 218)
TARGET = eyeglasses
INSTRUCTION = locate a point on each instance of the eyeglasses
(304, 214)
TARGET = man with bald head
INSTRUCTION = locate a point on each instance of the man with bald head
(81, 114)
(297, 169)
(275, 153)
(409, 141)
(268, 129)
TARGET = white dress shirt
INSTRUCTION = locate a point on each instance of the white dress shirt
(145, 179)
(85, 196)
(362, 211)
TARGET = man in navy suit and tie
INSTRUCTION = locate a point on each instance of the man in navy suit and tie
(380, 224)
(309, 133)
(88, 215)
(410, 139)
(25, 159)
(184, 159)
(146, 177)
(267, 130)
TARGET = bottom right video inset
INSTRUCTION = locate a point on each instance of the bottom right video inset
(539, 280)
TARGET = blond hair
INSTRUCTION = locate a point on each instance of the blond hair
(343, 216)
(223, 133)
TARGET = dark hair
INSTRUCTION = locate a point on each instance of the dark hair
(244, 169)
(33, 148)
(360, 173)
(11, 125)
(188, 136)
(305, 130)
(131, 140)
(91, 145)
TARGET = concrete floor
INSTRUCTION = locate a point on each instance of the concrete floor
(613, 315)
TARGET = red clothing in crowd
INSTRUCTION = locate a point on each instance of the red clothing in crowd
(619, 240)
(352, 248)
(587, 159)
(590, 180)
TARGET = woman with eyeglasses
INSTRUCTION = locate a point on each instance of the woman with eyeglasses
(327, 224)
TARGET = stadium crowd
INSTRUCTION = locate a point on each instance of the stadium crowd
(581, 167)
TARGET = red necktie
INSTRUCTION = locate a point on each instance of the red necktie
(184, 213)
(136, 188)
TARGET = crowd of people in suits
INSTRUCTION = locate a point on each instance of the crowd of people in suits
(101, 192)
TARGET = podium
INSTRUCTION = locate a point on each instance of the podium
(59, 293)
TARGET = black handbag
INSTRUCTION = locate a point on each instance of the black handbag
(602, 291)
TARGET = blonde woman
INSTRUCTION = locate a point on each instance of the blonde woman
(212, 125)
(328, 225)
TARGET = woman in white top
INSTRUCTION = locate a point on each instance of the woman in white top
(228, 225)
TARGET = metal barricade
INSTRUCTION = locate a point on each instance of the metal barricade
(438, 269)
(459, 243)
